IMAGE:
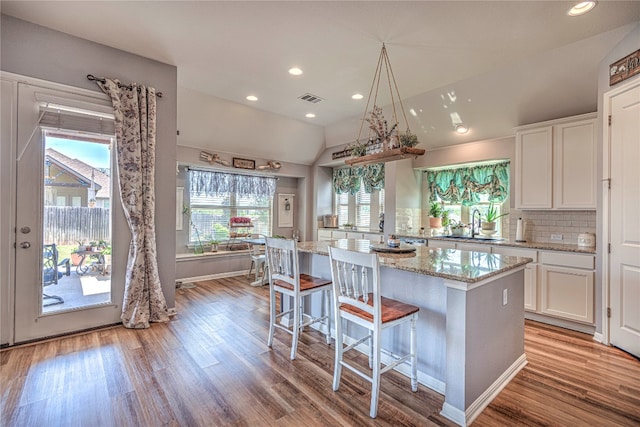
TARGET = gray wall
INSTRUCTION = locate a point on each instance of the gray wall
(36, 51)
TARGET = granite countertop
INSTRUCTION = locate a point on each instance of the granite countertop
(462, 266)
(525, 245)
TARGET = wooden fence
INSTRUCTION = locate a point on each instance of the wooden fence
(68, 225)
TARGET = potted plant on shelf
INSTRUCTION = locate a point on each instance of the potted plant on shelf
(488, 223)
(435, 214)
(214, 245)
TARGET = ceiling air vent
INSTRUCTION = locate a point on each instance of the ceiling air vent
(314, 99)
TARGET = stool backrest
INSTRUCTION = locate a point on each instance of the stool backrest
(282, 259)
(356, 280)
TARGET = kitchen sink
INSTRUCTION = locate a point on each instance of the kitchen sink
(480, 238)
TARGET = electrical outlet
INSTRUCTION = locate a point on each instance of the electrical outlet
(505, 296)
(556, 237)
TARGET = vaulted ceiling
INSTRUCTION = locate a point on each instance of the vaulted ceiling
(491, 64)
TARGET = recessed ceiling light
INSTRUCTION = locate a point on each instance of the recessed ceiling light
(310, 115)
(357, 96)
(252, 98)
(581, 8)
(295, 71)
(462, 129)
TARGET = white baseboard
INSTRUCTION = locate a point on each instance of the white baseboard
(597, 337)
(465, 418)
(212, 276)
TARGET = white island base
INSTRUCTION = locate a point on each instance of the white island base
(470, 331)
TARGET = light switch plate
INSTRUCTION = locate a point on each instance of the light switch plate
(556, 237)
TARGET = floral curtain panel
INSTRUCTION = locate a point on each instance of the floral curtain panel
(135, 124)
(347, 180)
(465, 185)
(211, 183)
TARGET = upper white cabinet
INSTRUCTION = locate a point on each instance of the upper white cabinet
(556, 164)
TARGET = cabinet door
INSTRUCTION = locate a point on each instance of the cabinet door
(567, 293)
(574, 169)
(531, 287)
(534, 168)
(335, 235)
(375, 238)
(354, 235)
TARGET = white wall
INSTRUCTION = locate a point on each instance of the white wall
(35, 51)
(212, 123)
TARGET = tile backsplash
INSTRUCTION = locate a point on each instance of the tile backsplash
(540, 225)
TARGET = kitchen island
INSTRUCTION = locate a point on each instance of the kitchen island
(471, 320)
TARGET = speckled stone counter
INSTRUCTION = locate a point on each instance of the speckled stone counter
(471, 320)
(528, 245)
(463, 266)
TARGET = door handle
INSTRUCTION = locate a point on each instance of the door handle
(25, 230)
(25, 245)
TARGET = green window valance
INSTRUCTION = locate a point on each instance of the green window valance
(347, 180)
(465, 184)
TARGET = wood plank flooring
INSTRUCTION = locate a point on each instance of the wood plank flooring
(210, 366)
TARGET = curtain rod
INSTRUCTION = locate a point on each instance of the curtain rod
(103, 81)
(204, 169)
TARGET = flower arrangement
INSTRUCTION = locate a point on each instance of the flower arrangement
(240, 220)
(358, 149)
(408, 139)
(378, 124)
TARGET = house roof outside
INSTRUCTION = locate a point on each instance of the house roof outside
(84, 171)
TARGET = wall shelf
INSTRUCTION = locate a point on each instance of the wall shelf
(386, 156)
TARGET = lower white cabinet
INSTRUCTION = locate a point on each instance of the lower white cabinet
(567, 290)
(530, 273)
(444, 244)
(324, 235)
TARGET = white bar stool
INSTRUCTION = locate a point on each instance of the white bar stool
(357, 299)
(285, 278)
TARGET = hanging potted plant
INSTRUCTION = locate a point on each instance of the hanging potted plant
(435, 214)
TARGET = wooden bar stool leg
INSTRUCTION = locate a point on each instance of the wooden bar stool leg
(414, 357)
(296, 326)
(327, 312)
(371, 349)
(375, 384)
(337, 370)
(272, 314)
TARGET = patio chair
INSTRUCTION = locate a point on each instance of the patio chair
(51, 272)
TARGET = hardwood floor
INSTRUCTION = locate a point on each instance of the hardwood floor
(211, 366)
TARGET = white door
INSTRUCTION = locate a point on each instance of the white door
(625, 221)
(42, 311)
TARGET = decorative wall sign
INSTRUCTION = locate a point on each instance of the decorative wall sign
(624, 68)
(285, 210)
(244, 163)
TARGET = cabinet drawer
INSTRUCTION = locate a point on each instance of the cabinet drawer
(444, 244)
(525, 253)
(568, 260)
(473, 247)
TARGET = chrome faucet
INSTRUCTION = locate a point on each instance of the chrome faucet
(474, 233)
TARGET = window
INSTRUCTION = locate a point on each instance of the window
(211, 212)
(362, 209)
(61, 200)
(76, 201)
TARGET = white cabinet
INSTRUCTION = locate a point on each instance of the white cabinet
(534, 176)
(335, 235)
(475, 247)
(444, 244)
(324, 235)
(566, 286)
(374, 237)
(555, 164)
(574, 165)
(530, 273)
